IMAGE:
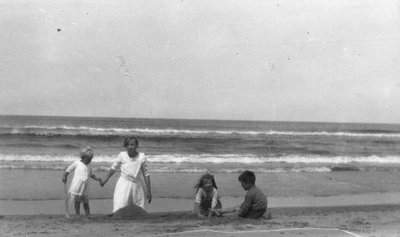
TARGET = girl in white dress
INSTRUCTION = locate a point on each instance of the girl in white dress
(80, 182)
(133, 186)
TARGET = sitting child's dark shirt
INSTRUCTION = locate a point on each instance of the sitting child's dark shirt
(254, 205)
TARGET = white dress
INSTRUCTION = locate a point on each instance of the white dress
(80, 181)
(131, 186)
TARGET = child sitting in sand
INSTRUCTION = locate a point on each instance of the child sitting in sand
(79, 184)
(207, 200)
(255, 202)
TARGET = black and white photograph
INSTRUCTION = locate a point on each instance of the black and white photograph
(200, 118)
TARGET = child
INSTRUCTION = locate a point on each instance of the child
(207, 200)
(255, 202)
(79, 185)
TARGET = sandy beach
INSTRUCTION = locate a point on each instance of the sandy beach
(363, 220)
(347, 203)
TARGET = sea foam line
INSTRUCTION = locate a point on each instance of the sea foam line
(216, 159)
(46, 166)
(92, 131)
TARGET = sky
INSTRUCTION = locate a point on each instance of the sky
(271, 60)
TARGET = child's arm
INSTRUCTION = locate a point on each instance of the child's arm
(244, 208)
(214, 203)
(215, 199)
(196, 210)
(116, 165)
(67, 171)
(197, 201)
(64, 177)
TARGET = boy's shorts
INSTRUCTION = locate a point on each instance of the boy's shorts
(79, 198)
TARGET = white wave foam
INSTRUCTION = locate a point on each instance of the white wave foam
(252, 159)
(169, 170)
(236, 170)
(93, 131)
(216, 159)
(51, 158)
(207, 158)
(337, 159)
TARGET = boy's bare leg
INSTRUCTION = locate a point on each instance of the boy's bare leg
(87, 209)
(77, 208)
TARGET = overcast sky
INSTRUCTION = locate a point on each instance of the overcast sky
(280, 60)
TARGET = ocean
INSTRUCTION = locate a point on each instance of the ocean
(180, 145)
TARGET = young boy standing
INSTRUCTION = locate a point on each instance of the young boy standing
(255, 202)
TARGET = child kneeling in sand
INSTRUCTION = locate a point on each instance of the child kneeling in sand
(207, 201)
(79, 184)
(255, 202)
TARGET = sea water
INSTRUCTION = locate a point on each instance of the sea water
(180, 145)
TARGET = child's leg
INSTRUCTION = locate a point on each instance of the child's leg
(77, 207)
(85, 201)
(87, 209)
(77, 200)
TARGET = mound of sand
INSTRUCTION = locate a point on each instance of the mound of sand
(130, 213)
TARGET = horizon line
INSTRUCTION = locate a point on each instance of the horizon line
(231, 120)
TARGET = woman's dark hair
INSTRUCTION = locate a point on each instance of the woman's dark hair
(128, 139)
(248, 177)
(204, 177)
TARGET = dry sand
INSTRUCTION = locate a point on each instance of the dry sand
(369, 220)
